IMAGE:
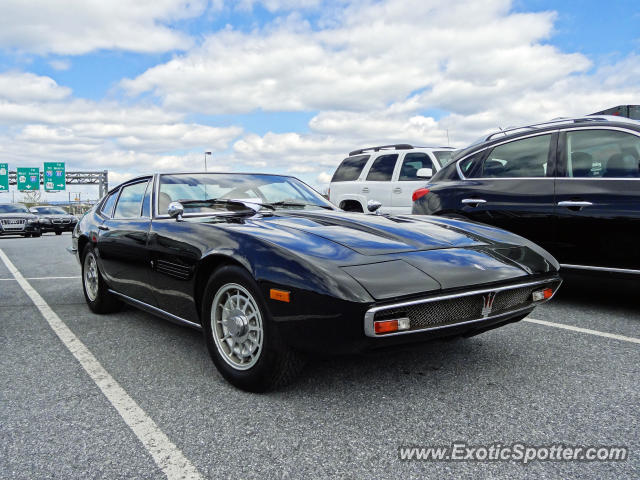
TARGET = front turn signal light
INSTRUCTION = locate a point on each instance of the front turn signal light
(280, 295)
(542, 294)
(390, 326)
(421, 192)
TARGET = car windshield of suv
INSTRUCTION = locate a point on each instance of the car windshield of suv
(444, 156)
(275, 190)
(13, 208)
(50, 210)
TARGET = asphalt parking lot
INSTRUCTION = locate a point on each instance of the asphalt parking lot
(345, 417)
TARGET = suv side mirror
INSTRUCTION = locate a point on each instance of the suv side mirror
(175, 210)
(424, 173)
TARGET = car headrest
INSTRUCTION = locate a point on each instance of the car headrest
(620, 165)
(581, 164)
(163, 203)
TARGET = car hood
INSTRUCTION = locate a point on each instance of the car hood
(17, 215)
(379, 234)
(393, 256)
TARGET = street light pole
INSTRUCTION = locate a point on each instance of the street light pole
(205, 160)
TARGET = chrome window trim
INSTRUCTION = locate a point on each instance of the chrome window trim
(600, 269)
(158, 311)
(370, 314)
(122, 187)
(492, 146)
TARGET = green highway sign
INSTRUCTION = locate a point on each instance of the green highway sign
(54, 176)
(4, 177)
(28, 178)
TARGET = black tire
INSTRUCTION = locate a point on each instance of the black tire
(277, 364)
(104, 301)
(58, 232)
(26, 235)
(37, 234)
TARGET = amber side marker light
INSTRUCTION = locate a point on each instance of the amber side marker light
(280, 295)
(390, 326)
(542, 294)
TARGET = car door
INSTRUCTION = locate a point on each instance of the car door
(122, 244)
(512, 187)
(598, 198)
(406, 180)
(377, 185)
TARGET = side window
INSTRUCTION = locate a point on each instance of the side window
(469, 166)
(350, 169)
(521, 158)
(382, 168)
(411, 164)
(602, 153)
(130, 201)
(107, 206)
(146, 202)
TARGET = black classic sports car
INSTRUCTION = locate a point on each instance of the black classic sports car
(268, 269)
(570, 185)
(15, 219)
(54, 219)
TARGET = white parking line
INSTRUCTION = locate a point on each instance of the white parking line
(39, 278)
(584, 330)
(166, 455)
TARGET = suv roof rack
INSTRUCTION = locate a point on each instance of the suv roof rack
(583, 119)
(399, 146)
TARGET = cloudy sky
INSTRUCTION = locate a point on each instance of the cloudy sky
(292, 85)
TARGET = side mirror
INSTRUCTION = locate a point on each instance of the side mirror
(373, 205)
(425, 173)
(175, 210)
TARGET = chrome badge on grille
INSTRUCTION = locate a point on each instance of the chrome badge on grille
(487, 303)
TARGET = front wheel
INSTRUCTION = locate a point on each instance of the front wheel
(243, 341)
(96, 292)
(58, 232)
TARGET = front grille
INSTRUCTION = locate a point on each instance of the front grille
(63, 221)
(13, 224)
(463, 308)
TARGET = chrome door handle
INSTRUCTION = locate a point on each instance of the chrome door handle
(365, 190)
(473, 202)
(571, 203)
(397, 190)
(103, 227)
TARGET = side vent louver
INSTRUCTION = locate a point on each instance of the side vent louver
(175, 270)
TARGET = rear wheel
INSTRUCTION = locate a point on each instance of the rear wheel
(96, 292)
(243, 341)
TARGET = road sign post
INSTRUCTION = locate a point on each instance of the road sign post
(54, 176)
(4, 177)
(28, 179)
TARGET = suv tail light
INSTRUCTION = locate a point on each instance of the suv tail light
(419, 193)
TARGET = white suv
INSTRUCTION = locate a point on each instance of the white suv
(388, 174)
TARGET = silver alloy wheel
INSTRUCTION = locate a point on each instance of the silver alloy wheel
(91, 276)
(236, 324)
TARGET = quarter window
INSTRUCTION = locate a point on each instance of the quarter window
(382, 168)
(130, 201)
(602, 153)
(411, 164)
(350, 168)
(521, 158)
(107, 206)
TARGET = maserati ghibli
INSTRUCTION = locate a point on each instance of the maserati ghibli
(270, 271)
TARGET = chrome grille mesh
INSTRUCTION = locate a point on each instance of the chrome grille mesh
(461, 309)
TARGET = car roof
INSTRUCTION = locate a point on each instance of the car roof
(558, 123)
(397, 146)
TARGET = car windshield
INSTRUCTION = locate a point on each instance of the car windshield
(279, 191)
(13, 208)
(444, 156)
(50, 210)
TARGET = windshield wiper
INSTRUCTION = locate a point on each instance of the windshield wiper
(226, 201)
(284, 203)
